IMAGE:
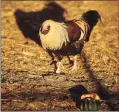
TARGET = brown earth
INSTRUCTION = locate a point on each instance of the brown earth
(29, 82)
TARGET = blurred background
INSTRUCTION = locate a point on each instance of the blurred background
(28, 81)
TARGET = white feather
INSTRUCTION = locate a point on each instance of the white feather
(56, 38)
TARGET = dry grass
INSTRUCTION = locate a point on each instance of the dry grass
(28, 82)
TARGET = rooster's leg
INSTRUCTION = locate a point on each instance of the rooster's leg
(52, 57)
(52, 61)
(70, 61)
(59, 65)
(74, 67)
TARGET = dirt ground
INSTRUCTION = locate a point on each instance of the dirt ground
(28, 81)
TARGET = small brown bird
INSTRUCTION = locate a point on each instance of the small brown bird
(68, 37)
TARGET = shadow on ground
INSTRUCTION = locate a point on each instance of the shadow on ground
(78, 90)
(29, 23)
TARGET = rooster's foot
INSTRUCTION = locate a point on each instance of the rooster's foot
(59, 67)
(74, 68)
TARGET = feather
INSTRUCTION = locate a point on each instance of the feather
(56, 38)
(85, 29)
(74, 31)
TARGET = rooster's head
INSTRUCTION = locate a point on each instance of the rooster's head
(45, 27)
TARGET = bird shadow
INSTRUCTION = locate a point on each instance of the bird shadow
(29, 22)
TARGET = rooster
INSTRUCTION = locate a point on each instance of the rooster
(68, 37)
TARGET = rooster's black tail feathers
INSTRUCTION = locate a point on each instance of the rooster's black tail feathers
(91, 17)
